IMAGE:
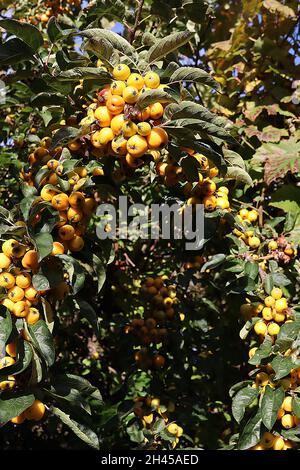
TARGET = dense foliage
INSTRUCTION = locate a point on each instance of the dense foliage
(141, 343)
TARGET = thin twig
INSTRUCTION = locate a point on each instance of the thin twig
(137, 21)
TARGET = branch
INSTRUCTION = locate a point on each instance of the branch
(137, 21)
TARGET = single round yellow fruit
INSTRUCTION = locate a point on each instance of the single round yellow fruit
(7, 280)
(281, 304)
(272, 245)
(121, 72)
(4, 261)
(23, 280)
(260, 328)
(287, 421)
(130, 94)
(6, 361)
(269, 301)
(136, 80)
(33, 316)
(278, 443)
(254, 242)
(173, 428)
(152, 80)
(287, 404)
(276, 293)
(267, 440)
(273, 329)
(267, 313)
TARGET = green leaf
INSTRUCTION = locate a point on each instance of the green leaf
(168, 44)
(291, 434)
(85, 73)
(270, 404)
(282, 366)
(118, 42)
(262, 352)
(28, 33)
(75, 271)
(12, 406)
(233, 159)
(82, 431)
(154, 96)
(193, 74)
(296, 406)
(250, 434)
(40, 282)
(103, 49)
(241, 401)
(248, 327)
(53, 29)
(238, 174)
(251, 269)
(189, 109)
(44, 244)
(100, 271)
(64, 136)
(63, 383)
(43, 341)
(47, 99)
(5, 328)
(14, 51)
(214, 261)
(286, 336)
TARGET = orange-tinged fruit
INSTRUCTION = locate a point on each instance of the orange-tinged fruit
(60, 202)
(103, 115)
(115, 104)
(76, 244)
(8, 384)
(58, 249)
(74, 215)
(30, 260)
(31, 293)
(32, 316)
(129, 129)
(156, 111)
(11, 349)
(117, 123)
(18, 419)
(20, 309)
(23, 280)
(76, 199)
(47, 194)
(157, 138)
(278, 443)
(119, 145)
(36, 411)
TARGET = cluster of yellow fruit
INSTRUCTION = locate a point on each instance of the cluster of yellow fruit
(205, 191)
(118, 127)
(148, 408)
(270, 441)
(18, 262)
(274, 312)
(247, 218)
(74, 208)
